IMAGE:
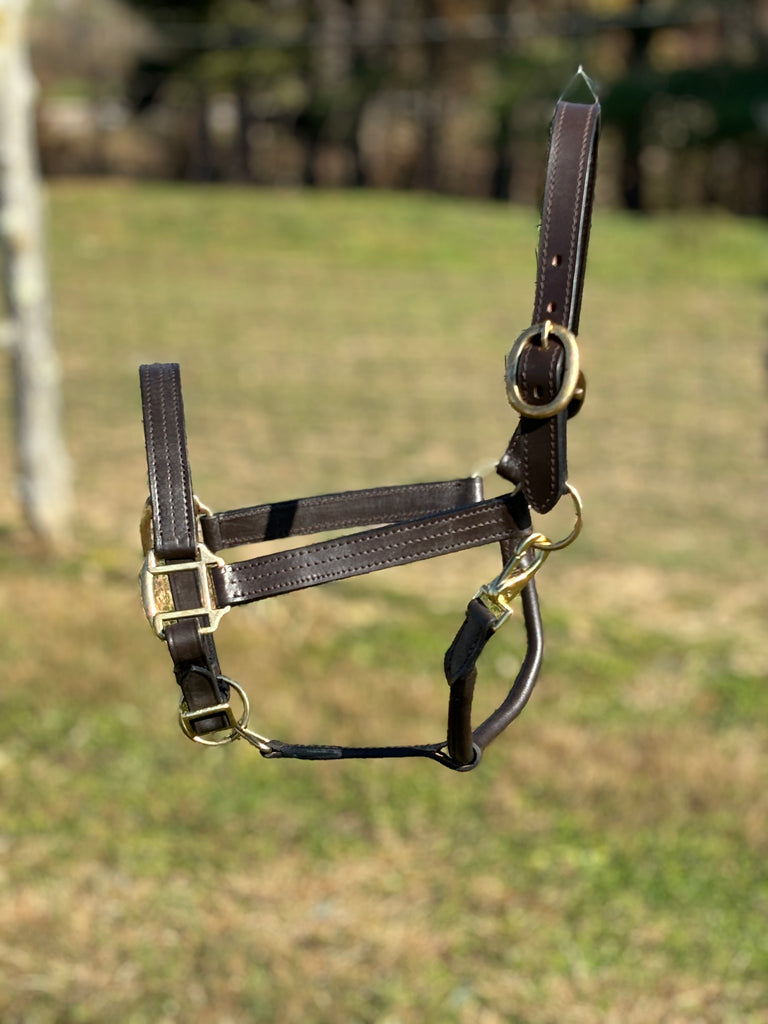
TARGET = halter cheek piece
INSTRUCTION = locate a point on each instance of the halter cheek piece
(187, 587)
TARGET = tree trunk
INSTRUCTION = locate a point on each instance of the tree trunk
(632, 133)
(244, 124)
(501, 178)
(43, 465)
(431, 107)
(201, 166)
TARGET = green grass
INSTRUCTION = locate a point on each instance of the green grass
(607, 861)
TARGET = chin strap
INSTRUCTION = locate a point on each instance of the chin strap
(187, 587)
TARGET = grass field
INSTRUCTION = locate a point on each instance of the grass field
(608, 861)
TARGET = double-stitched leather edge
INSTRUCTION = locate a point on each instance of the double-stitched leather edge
(174, 528)
(537, 457)
(535, 444)
(338, 511)
(194, 654)
(369, 551)
(566, 214)
(504, 519)
(170, 485)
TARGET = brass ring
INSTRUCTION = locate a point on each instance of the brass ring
(544, 544)
(237, 724)
(570, 375)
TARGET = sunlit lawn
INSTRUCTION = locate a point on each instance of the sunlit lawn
(607, 861)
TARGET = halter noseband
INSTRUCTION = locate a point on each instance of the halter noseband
(187, 587)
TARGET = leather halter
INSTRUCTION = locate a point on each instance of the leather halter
(187, 587)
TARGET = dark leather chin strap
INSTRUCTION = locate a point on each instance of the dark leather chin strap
(187, 586)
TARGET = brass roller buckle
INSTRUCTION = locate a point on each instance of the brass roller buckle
(570, 375)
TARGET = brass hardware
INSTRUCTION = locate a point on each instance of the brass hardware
(155, 585)
(157, 600)
(187, 717)
(499, 594)
(570, 376)
(239, 726)
(579, 396)
(145, 527)
(549, 545)
(484, 469)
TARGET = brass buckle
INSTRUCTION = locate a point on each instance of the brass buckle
(238, 726)
(156, 594)
(234, 724)
(570, 375)
(187, 717)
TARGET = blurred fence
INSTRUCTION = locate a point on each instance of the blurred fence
(438, 94)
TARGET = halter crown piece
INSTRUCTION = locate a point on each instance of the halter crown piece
(187, 587)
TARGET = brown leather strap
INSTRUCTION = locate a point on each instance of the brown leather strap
(360, 553)
(461, 672)
(174, 538)
(170, 485)
(428, 530)
(413, 522)
(537, 457)
(464, 746)
(339, 511)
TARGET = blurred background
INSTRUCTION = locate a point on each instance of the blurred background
(444, 96)
(327, 213)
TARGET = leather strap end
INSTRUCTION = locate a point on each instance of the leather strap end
(170, 483)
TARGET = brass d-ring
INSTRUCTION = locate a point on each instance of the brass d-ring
(570, 374)
(542, 543)
(236, 725)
